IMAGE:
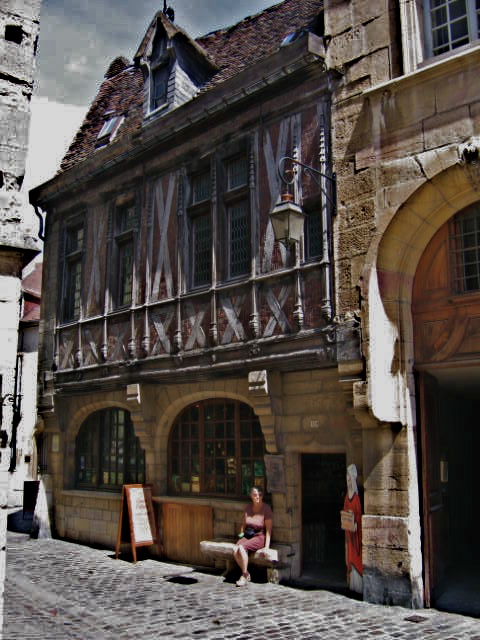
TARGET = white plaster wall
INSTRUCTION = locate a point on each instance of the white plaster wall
(383, 384)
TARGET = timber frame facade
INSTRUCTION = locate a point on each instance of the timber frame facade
(183, 346)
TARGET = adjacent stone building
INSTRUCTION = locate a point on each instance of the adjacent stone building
(189, 343)
(19, 241)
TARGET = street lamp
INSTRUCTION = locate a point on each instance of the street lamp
(287, 220)
(287, 217)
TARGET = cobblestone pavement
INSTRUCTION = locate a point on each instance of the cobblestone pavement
(60, 590)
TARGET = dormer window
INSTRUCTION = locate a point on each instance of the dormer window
(109, 130)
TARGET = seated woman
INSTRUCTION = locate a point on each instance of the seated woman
(257, 517)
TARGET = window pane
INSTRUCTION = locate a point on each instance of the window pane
(226, 464)
(73, 293)
(237, 173)
(74, 240)
(73, 273)
(101, 446)
(201, 187)
(239, 221)
(159, 86)
(202, 246)
(450, 26)
(126, 273)
(465, 249)
(314, 233)
(126, 218)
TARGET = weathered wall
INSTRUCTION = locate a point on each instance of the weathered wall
(393, 138)
(309, 414)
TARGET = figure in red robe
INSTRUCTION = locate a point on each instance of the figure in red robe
(354, 537)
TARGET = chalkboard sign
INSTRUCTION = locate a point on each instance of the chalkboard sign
(137, 523)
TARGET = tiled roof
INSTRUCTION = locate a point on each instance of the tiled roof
(245, 43)
(32, 286)
(32, 283)
(232, 49)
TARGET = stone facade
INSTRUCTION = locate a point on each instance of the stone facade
(19, 242)
(401, 122)
(320, 345)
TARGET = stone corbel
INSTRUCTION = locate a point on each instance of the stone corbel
(262, 405)
(143, 426)
(469, 158)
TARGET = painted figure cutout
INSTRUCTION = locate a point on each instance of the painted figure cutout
(352, 524)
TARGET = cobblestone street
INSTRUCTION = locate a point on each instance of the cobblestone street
(59, 590)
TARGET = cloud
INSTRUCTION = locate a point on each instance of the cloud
(52, 129)
(78, 40)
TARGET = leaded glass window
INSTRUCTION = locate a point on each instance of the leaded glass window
(216, 447)
(201, 187)
(202, 250)
(125, 221)
(238, 216)
(237, 173)
(239, 223)
(73, 273)
(108, 454)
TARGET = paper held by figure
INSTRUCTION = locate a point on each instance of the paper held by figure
(347, 520)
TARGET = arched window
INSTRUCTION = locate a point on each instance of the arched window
(107, 452)
(216, 447)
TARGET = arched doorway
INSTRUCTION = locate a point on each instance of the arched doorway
(446, 320)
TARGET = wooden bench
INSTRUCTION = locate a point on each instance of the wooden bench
(275, 559)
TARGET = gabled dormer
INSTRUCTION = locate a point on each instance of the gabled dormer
(174, 67)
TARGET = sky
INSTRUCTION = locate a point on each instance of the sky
(78, 40)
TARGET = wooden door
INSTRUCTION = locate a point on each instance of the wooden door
(183, 528)
(323, 490)
(435, 516)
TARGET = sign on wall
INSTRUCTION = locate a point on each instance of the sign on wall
(275, 469)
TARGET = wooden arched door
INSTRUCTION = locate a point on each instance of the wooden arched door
(446, 317)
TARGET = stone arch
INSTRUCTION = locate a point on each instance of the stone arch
(261, 392)
(390, 283)
(80, 414)
(186, 396)
(176, 407)
(414, 225)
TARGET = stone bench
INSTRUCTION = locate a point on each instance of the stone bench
(275, 559)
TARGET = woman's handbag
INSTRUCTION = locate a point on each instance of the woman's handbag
(249, 532)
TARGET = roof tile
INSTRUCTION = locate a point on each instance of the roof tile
(233, 49)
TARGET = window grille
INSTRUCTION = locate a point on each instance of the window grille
(465, 250)
(238, 216)
(201, 187)
(124, 238)
(216, 448)
(237, 173)
(73, 273)
(202, 248)
(108, 454)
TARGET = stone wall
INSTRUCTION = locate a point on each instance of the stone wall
(310, 417)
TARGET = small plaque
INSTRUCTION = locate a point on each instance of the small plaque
(347, 520)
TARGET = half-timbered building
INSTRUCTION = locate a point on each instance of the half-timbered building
(181, 342)
(188, 344)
